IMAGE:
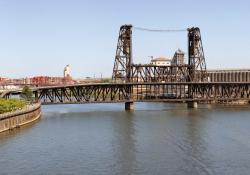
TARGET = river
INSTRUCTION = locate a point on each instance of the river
(156, 138)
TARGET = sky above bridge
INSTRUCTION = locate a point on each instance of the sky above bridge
(40, 37)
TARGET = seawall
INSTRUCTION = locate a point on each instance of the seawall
(14, 119)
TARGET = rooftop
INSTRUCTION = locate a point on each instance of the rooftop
(161, 59)
(179, 51)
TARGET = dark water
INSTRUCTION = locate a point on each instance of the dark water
(157, 138)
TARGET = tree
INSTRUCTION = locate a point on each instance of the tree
(26, 93)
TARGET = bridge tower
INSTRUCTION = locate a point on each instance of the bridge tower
(123, 58)
(196, 59)
(123, 62)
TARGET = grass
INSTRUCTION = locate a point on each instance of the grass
(7, 105)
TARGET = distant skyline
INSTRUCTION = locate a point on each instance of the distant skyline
(42, 37)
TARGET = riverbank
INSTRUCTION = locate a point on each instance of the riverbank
(17, 118)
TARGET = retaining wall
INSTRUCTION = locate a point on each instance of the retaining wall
(21, 117)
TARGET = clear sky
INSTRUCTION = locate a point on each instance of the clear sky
(39, 37)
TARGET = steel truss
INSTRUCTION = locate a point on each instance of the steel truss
(123, 56)
(125, 70)
(196, 58)
(171, 91)
(84, 94)
(153, 73)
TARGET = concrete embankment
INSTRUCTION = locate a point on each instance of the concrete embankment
(14, 119)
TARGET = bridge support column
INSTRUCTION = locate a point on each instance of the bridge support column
(129, 106)
(36, 95)
(192, 104)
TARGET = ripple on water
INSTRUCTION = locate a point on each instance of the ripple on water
(157, 138)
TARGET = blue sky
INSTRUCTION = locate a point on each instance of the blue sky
(39, 37)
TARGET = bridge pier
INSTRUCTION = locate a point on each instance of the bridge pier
(192, 104)
(129, 106)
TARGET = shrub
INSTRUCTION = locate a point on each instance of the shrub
(7, 105)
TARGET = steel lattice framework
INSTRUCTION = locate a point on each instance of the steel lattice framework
(123, 57)
(154, 73)
(126, 71)
(123, 92)
(196, 59)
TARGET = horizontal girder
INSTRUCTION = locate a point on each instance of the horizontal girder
(150, 91)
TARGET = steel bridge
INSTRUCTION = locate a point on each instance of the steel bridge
(146, 82)
(119, 92)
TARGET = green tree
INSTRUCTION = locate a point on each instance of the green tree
(27, 94)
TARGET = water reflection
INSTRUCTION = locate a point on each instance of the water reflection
(124, 143)
(196, 161)
(157, 138)
(12, 134)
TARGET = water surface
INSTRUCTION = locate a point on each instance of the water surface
(157, 138)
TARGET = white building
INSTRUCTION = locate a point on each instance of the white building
(161, 61)
(66, 71)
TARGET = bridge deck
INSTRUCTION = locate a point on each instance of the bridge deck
(150, 91)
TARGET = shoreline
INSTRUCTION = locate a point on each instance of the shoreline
(15, 119)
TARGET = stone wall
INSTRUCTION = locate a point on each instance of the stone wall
(21, 117)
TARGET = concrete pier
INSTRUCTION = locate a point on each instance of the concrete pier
(192, 104)
(129, 106)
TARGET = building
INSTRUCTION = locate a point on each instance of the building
(161, 61)
(66, 72)
(178, 58)
(3, 80)
(39, 80)
(229, 75)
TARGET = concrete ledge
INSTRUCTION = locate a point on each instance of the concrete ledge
(21, 117)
